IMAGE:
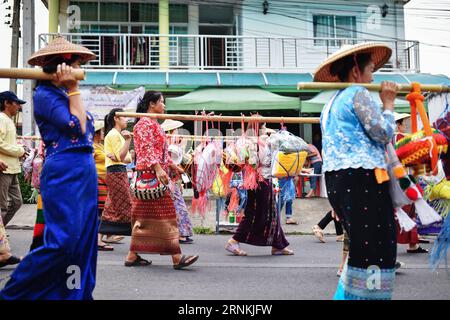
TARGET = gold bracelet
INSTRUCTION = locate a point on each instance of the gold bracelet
(75, 93)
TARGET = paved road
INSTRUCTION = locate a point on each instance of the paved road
(309, 274)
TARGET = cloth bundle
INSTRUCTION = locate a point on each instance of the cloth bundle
(415, 149)
(413, 193)
(288, 164)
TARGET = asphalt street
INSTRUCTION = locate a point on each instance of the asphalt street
(309, 274)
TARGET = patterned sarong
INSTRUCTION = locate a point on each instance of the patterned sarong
(116, 216)
(155, 228)
(102, 194)
(184, 223)
(38, 233)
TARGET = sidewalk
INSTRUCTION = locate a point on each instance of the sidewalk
(307, 212)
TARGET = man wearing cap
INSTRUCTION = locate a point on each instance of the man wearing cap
(10, 153)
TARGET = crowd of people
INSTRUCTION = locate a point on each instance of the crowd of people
(88, 204)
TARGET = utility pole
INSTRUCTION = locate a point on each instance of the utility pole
(15, 42)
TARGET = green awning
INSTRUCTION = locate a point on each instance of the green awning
(231, 99)
(316, 104)
(191, 80)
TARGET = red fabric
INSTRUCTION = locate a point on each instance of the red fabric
(150, 141)
(411, 237)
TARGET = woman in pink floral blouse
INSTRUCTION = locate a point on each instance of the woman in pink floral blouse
(154, 222)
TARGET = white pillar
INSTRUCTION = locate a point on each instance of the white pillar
(28, 50)
(193, 29)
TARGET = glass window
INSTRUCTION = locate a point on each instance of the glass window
(88, 10)
(178, 13)
(331, 26)
(116, 12)
(144, 12)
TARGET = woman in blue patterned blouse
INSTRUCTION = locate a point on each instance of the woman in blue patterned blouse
(355, 130)
(65, 266)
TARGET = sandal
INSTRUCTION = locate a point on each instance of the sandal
(105, 247)
(418, 250)
(291, 221)
(318, 233)
(234, 249)
(184, 262)
(283, 252)
(113, 239)
(186, 241)
(139, 262)
(10, 261)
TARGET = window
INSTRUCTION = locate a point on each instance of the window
(88, 10)
(115, 12)
(144, 12)
(334, 27)
(178, 13)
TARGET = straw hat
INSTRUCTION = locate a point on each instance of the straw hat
(400, 116)
(60, 46)
(169, 125)
(98, 125)
(380, 55)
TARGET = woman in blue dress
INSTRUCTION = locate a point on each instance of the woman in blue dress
(65, 266)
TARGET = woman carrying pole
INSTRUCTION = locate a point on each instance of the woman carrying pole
(65, 266)
(355, 133)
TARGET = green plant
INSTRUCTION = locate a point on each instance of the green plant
(203, 230)
(26, 189)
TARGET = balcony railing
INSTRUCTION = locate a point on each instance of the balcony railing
(213, 52)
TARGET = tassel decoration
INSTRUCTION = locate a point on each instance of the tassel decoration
(405, 222)
(427, 214)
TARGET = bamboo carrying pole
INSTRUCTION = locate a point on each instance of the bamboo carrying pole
(369, 86)
(189, 117)
(35, 74)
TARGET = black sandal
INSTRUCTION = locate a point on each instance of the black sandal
(139, 262)
(188, 240)
(105, 247)
(183, 264)
(418, 250)
(10, 261)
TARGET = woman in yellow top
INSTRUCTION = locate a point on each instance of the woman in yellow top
(99, 157)
(116, 216)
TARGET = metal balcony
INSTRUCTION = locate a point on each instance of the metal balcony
(213, 52)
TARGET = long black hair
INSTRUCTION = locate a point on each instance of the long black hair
(149, 96)
(109, 119)
(342, 67)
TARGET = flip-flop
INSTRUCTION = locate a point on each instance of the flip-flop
(418, 250)
(105, 247)
(318, 233)
(115, 239)
(283, 252)
(138, 262)
(234, 249)
(183, 264)
(10, 261)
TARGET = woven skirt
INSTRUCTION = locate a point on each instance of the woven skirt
(155, 228)
(102, 194)
(116, 216)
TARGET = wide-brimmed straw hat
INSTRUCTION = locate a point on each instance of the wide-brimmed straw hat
(60, 46)
(169, 125)
(400, 116)
(379, 52)
(98, 125)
